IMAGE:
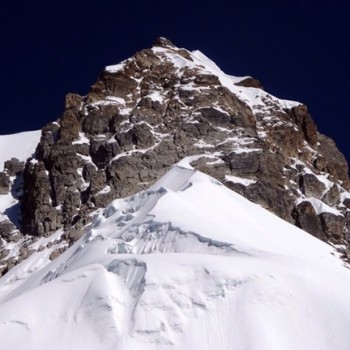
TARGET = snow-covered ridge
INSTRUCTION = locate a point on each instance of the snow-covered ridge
(257, 99)
(157, 270)
(186, 263)
(20, 146)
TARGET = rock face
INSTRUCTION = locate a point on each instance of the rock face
(166, 103)
(4, 183)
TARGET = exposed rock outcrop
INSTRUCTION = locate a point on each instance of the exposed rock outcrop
(161, 105)
(166, 103)
(4, 183)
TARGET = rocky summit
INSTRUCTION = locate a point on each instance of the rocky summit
(147, 113)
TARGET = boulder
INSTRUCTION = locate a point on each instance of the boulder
(333, 226)
(311, 186)
(334, 161)
(306, 218)
(332, 197)
(14, 166)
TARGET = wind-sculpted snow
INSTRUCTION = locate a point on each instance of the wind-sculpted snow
(186, 264)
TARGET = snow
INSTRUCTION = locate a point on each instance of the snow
(344, 196)
(211, 65)
(186, 162)
(105, 190)
(239, 180)
(82, 139)
(43, 241)
(156, 96)
(20, 146)
(185, 264)
(246, 150)
(202, 144)
(6, 202)
(254, 97)
(115, 67)
(133, 151)
(319, 206)
(322, 178)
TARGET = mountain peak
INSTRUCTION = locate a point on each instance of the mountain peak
(163, 42)
(160, 211)
(148, 112)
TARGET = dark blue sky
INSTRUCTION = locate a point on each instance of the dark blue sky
(299, 50)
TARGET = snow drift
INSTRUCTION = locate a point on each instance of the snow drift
(187, 264)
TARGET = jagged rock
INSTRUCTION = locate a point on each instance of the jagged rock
(74, 234)
(98, 181)
(14, 166)
(73, 101)
(56, 253)
(347, 231)
(216, 117)
(333, 226)
(70, 127)
(139, 136)
(347, 254)
(101, 199)
(332, 197)
(117, 84)
(285, 137)
(303, 120)
(346, 202)
(243, 163)
(250, 82)
(11, 263)
(102, 152)
(4, 183)
(206, 79)
(159, 106)
(145, 59)
(335, 163)
(311, 186)
(25, 252)
(38, 216)
(49, 136)
(154, 110)
(306, 218)
(163, 42)
(123, 175)
(4, 253)
(70, 206)
(7, 230)
(98, 121)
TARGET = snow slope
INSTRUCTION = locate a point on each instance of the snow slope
(20, 146)
(187, 264)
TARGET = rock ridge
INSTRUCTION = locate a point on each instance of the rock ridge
(162, 104)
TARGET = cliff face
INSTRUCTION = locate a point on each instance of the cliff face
(162, 104)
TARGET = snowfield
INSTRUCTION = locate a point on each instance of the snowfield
(187, 264)
(20, 146)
